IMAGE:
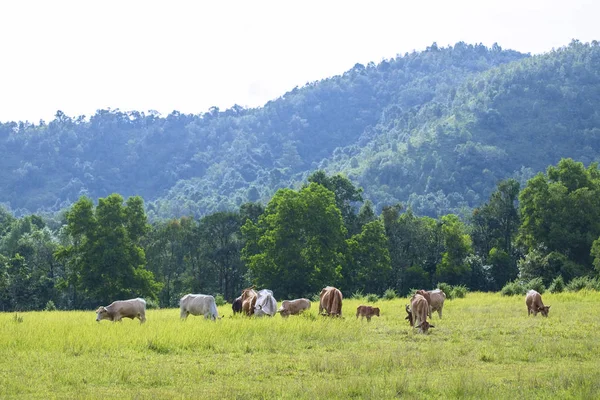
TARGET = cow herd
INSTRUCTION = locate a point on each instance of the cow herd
(261, 303)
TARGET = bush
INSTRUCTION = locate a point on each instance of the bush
(220, 300)
(536, 284)
(459, 291)
(316, 297)
(390, 294)
(514, 288)
(372, 298)
(152, 304)
(582, 282)
(50, 306)
(557, 285)
(447, 289)
(358, 295)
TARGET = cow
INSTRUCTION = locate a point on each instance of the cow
(533, 300)
(293, 307)
(248, 296)
(331, 301)
(366, 311)
(265, 304)
(133, 308)
(236, 306)
(198, 304)
(435, 299)
(417, 313)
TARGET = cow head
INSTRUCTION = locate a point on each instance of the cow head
(544, 310)
(101, 313)
(376, 311)
(409, 317)
(424, 326)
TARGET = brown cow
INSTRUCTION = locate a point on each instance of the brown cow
(133, 308)
(417, 313)
(366, 311)
(293, 307)
(236, 306)
(435, 299)
(533, 300)
(249, 297)
(331, 301)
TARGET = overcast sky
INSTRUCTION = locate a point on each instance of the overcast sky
(81, 56)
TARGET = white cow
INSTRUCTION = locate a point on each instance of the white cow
(265, 304)
(133, 308)
(198, 304)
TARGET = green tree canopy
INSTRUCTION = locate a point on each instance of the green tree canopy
(297, 245)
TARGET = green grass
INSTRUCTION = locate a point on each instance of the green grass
(485, 347)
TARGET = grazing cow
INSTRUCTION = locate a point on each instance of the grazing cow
(249, 296)
(533, 300)
(198, 304)
(265, 304)
(435, 299)
(331, 301)
(133, 308)
(293, 307)
(366, 311)
(417, 313)
(236, 306)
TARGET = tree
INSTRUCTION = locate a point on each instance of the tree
(457, 245)
(346, 196)
(561, 210)
(296, 246)
(221, 248)
(368, 265)
(106, 260)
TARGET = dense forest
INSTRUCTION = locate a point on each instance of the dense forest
(467, 165)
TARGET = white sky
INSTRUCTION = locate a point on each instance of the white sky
(80, 56)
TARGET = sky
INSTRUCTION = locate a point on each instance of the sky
(82, 56)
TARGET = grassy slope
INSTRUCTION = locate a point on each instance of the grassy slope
(485, 347)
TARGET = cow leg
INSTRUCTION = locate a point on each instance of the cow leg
(440, 313)
(368, 318)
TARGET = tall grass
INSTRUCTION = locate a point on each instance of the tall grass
(485, 347)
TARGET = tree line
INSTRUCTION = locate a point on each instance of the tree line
(322, 233)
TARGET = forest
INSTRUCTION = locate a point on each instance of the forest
(546, 234)
(469, 166)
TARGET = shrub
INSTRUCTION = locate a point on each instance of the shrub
(152, 304)
(372, 298)
(220, 300)
(316, 297)
(50, 306)
(557, 285)
(536, 284)
(447, 289)
(390, 294)
(459, 291)
(358, 295)
(514, 288)
(582, 282)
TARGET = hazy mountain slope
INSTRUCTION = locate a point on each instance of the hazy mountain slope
(510, 121)
(196, 164)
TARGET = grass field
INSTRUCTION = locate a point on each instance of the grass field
(484, 347)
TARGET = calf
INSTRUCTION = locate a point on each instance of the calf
(534, 303)
(293, 307)
(133, 308)
(366, 311)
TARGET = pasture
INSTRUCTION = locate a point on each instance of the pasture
(485, 347)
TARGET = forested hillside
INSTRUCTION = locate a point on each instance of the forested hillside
(182, 164)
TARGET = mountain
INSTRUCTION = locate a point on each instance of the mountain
(435, 130)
